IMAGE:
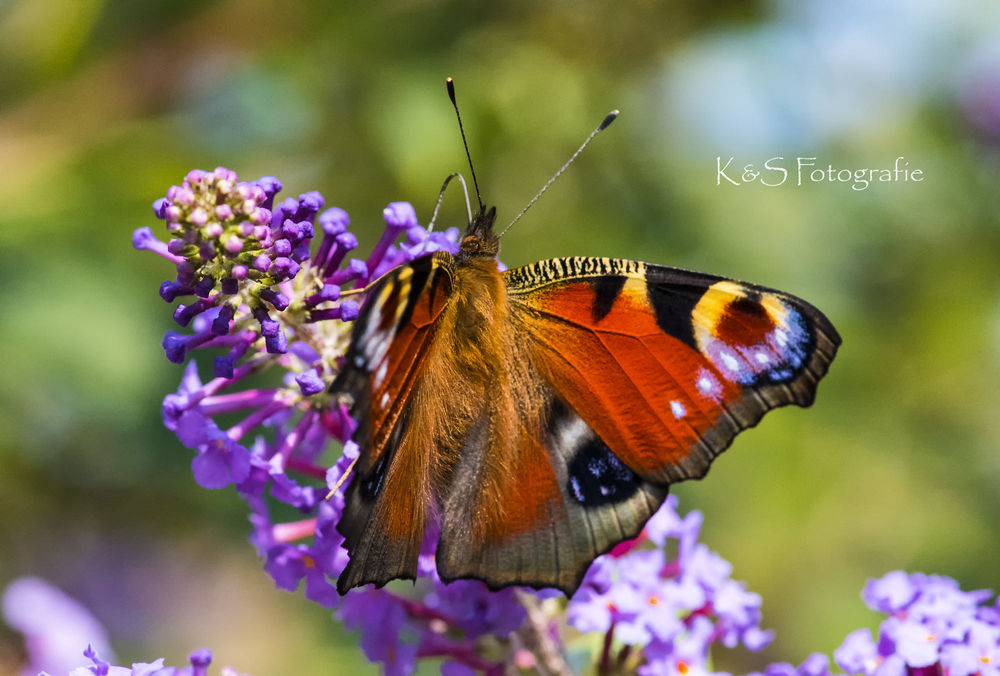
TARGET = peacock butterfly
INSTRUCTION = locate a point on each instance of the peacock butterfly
(539, 415)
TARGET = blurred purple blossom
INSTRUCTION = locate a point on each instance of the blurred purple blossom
(56, 628)
(931, 624)
(199, 662)
(61, 637)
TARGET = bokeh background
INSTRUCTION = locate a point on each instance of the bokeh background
(106, 103)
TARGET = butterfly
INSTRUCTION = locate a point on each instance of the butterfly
(537, 416)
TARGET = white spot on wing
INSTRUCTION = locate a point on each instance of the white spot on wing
(377, 347)
(385, 400)
(571, 433)
(708, 385)
(677, 408)
(380, 374)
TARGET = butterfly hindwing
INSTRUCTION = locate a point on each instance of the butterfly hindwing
(559, 499)
(388, 497)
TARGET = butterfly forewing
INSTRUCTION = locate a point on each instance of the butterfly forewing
(388, 497)
(665, 365)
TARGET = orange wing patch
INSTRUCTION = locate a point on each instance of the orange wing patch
(645, 393)
(565, 500)
(530, 491)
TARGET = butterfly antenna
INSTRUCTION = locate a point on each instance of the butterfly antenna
(461, 129)
(437, 206)
(601, 127)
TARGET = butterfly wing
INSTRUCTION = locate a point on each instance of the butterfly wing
(666, 365)
(509, 519)
(387, 500)
(645, 374)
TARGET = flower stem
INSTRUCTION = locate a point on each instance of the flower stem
(539, 637)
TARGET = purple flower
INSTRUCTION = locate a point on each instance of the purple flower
(61, 636)
(858, 654)
(917, 643)
(380, 621)
(310, 383)
(56, 628)
(686, 656)
(673, 610)
(889, 593)
(591, 608)
(978, 653)
(817, 664)
(470, 605)
(220, 460)
(199, 660)
(932, 625)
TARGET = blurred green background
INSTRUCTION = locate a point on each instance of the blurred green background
(106, 103)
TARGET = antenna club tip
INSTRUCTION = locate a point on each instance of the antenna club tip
(451, 90)
(611, 117)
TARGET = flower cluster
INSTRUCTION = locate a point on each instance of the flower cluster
(263, 299)
(267, 301)
(933, 628)
(200, 659)
(55, 626)
(462, 622)
(667, 613)
(932, 625)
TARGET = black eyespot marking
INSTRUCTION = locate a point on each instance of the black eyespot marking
(674, 305)
(372, 484)
(598, 477)
(606, 291)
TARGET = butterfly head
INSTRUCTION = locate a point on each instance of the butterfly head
(479, 239)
